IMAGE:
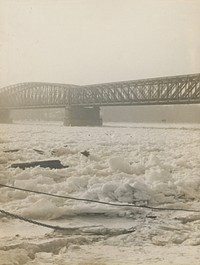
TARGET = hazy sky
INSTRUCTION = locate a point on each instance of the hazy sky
(94, 41)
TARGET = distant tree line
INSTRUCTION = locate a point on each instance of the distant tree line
(173, 113)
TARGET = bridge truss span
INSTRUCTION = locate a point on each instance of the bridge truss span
(164, 90)
(35, 95)
(81, 102)
(169, 90)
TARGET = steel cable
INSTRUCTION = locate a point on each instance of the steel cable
(101, 202)
(32, 221)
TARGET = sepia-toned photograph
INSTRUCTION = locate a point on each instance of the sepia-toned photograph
(99, 132)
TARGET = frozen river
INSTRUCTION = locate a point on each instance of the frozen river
(153, 165)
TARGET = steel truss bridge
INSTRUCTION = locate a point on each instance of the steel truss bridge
(165, 90)
(183, 89)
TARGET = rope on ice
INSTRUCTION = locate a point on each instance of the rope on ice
(102, 202)
(89, 230)
(32, 221)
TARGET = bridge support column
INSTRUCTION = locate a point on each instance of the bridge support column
(82, 116)
(5, 116)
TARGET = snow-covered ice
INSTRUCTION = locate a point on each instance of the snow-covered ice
(143, 164)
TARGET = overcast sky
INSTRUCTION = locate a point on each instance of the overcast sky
(95, 41)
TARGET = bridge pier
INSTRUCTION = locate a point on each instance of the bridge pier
(5, 116)
(82, 116)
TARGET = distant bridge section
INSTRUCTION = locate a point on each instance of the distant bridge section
(83, 102)
(35, 95)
